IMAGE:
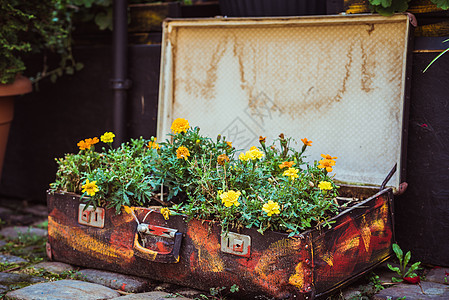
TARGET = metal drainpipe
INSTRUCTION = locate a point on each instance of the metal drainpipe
(120, 83)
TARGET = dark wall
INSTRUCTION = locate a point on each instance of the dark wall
(422, 213)
(50, 122)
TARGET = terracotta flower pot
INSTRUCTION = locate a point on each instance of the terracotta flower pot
(21, 85)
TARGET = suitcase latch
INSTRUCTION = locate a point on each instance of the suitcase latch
(91, 216)
(237, 244)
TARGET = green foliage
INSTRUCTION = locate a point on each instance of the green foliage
(389, 7)
(443, 4)
(101, 11)
(217, 293)
(30, 27)
(269, 187)
(402, 270)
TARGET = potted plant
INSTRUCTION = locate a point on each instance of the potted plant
(20, 85)
(205, 179)
(28, 28)
(192, 211)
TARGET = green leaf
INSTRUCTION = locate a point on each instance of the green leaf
(79, 66)
(104, 20)
(394, 269)
(406, 259)
(394, 279)
(443, 4)
(69, 70)
(412, 268)
(397, 250)
(53, 78)
(433, 60)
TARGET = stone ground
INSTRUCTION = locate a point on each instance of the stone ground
(26, 273)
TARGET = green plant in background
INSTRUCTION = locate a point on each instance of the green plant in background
(265, 187)
(405, 274)
(29, 27)
(101, 11)
(389, 7)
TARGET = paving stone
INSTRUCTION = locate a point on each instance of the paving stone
(7, 258)
(37, 210)
(54, 267)
(10, 278)
(3, 288)
(63, 290)
(13, 232)
(431, 290)
(126, 283)
(438, 275)
(152, 296)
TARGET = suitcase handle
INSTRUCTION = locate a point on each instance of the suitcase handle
(168, 257)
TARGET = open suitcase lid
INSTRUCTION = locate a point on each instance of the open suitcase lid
(336, 80)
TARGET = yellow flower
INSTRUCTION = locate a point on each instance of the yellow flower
(90, 187)
(222, 159)
(153, 145)
(271, 208)
(107, 137)
(292, 173)
(230, 198)
(306, 142)
(287, 164)
(255, 153)
(180, 125)
(165, 212)
(326, 163)
(229, 144)
(244, 156)
(325, 185)
(182, 152)
(83, 145)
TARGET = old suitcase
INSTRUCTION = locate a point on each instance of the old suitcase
(339, 79)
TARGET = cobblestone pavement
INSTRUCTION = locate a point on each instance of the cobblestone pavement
(26, 273)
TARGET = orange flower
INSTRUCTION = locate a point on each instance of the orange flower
(327, 156)
(87, 143)
(287, 164)
(229, 144)
(153, 145)
(327, 164)
(182, 152)
(83, 145)
(262, 139)
(92, 141)
(222, 159)
(306, 142)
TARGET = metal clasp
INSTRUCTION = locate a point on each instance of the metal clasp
(237, 244)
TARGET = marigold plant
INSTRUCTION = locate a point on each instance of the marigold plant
(268, 186)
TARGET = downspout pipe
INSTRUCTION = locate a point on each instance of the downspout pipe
(120, 83)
